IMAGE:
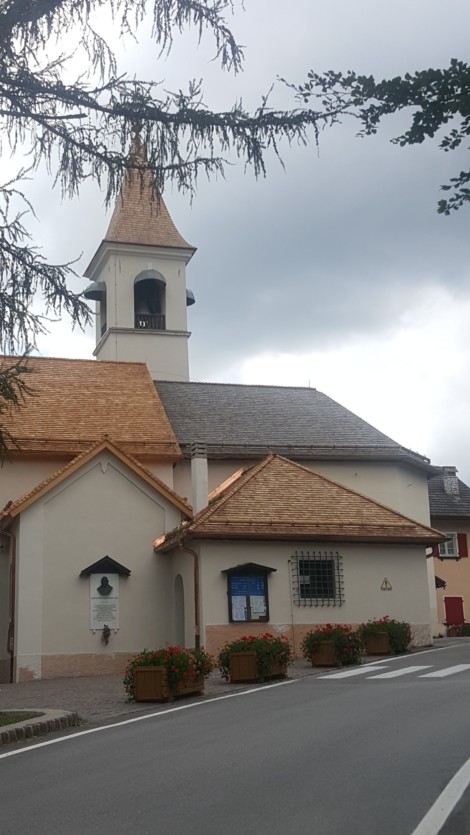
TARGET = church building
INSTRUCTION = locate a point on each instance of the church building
(141, 508)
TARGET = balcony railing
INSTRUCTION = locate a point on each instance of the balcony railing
(150, 321)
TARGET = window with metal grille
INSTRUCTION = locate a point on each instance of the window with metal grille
(317, 578)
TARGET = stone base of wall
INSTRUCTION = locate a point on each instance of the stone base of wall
(86, 664)
(421, 635)
(69, 666)
(217, 635)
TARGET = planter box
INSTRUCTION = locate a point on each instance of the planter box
(325, 655)
(243, 668)
(453, 632)
(151, 685)
(377, 643)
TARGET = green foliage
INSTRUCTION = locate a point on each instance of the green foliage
(462, 629)
(399, 632)
(183, 667)
(80, 126)
(10, 717)
(348, 642)
(269, 650)
(439, 99)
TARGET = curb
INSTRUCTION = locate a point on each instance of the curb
(48, 722)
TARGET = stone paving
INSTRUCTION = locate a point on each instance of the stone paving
(96, 699)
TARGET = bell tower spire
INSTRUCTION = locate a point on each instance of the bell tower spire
(138, 276)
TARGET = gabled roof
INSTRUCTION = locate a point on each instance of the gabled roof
(251, 421)
(141, 217)
(14, 508)
(442, 503)
(106, 565)
(280, 499)
(75, 402)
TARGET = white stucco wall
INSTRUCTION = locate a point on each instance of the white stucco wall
(165, 353)
(20, 475)
(102, 509)
(364, 569)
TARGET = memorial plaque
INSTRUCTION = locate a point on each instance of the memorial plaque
(104, 601)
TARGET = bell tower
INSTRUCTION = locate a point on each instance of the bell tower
(138, 276)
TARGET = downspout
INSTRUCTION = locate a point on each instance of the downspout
(11, 595)
(197, 619)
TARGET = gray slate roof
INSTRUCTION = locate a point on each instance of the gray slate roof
(442, 504)
(251, 421)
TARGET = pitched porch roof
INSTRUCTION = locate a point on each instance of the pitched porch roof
(280, 499)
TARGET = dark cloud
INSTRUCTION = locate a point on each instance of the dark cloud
(343, 244)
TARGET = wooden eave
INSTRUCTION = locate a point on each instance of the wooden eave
(21, 504)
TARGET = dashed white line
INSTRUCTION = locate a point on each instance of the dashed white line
(447, 671)
(403, 672)
(348, 673)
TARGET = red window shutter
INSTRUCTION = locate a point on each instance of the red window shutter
(462, 544)
(435, 551)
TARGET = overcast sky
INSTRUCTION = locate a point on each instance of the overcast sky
(336, 272)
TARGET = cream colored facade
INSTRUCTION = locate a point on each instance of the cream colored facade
(102, 509)
(364, 567)
(164, 351)
(109, 505)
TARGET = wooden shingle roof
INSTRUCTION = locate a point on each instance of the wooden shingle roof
(140, 219)
(76, 402)
(280, 499)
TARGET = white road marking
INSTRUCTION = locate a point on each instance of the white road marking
(147, 716)
(389, 658)
(348, 673)
(403, 672)
(435, 819)
(447, 671)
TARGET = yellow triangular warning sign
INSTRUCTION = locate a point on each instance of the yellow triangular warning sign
(386, 585)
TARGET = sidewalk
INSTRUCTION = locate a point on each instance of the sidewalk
(96, 699)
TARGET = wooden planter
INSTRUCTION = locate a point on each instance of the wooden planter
(377, 643)
(325, 655)
(243, 668)
(151, 685)
(453, 632)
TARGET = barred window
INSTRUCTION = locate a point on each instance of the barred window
(317, 578)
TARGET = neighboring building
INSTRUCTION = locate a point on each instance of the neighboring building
(449, 500)
(111, 454)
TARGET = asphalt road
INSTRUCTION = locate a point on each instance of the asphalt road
(329, 756)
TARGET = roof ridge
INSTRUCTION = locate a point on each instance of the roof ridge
(232, 489)
(353, 492)
(82, 360)
(103, 443)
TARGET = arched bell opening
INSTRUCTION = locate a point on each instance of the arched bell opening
(97, 292)
(149, 301)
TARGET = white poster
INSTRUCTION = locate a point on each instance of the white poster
(104, 601)
(239, 607)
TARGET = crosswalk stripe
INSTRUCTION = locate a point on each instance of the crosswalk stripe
(403, 672)
(348, 673)
(447, 671)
